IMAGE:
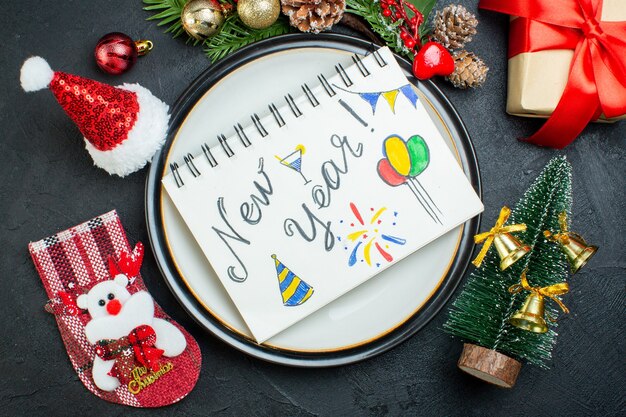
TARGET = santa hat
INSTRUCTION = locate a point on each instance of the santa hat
(123, 126)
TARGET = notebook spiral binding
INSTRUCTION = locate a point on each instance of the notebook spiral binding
(280, 121)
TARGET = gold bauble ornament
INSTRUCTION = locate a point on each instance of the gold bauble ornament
(258, 14)
(202, 18)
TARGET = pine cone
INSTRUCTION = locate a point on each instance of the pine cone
(313, 15)
(469, 70)
(454, 26)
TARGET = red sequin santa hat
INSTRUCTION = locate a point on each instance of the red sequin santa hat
(123, 126)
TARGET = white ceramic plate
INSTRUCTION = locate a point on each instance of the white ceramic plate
(373, 317)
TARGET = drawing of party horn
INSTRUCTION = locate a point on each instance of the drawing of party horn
(403, 162)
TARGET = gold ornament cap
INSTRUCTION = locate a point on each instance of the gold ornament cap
(258, 14)
(143, 46)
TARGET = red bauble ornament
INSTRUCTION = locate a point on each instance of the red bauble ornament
(116, 52)
(433, 59)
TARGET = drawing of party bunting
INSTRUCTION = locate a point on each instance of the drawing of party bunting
(390, 96)
(371, 98)
(409, 93)
(293, 289)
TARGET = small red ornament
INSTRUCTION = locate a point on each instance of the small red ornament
(116, 52)
(433, 59)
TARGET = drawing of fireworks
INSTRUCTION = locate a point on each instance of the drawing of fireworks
(368, 240)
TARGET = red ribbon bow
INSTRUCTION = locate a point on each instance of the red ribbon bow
(138, 346)
(597, 78)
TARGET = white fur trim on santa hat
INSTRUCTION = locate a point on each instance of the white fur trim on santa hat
(144, 139)
(36, 74)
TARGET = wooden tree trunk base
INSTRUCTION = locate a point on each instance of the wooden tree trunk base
(489, 365)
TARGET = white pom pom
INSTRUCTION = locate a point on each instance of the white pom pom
(36, 74)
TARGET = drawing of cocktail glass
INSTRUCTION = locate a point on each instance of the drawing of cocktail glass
(294, 161)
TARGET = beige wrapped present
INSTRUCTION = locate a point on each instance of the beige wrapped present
(536, 80)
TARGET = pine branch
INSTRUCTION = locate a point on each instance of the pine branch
(235, 35)
(169, 12)
(370, 11)
(481, 312)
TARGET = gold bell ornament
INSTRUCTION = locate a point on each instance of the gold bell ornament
(530, 316)
(509, 248)
(578, 252)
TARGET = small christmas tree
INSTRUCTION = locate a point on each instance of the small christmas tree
(481, 313)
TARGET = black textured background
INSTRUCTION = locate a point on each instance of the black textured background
(48, 183)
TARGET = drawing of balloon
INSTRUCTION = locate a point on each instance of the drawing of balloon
(388, 174)
(397, 153)
(419, 154)
(403, 162)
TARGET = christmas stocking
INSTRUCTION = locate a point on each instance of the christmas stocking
(124, 347)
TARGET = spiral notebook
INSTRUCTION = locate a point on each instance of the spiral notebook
(315, 196)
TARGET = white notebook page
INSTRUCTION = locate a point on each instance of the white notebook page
(325, 202)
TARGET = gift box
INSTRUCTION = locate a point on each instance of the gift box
(567, 63)
(536, 80)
